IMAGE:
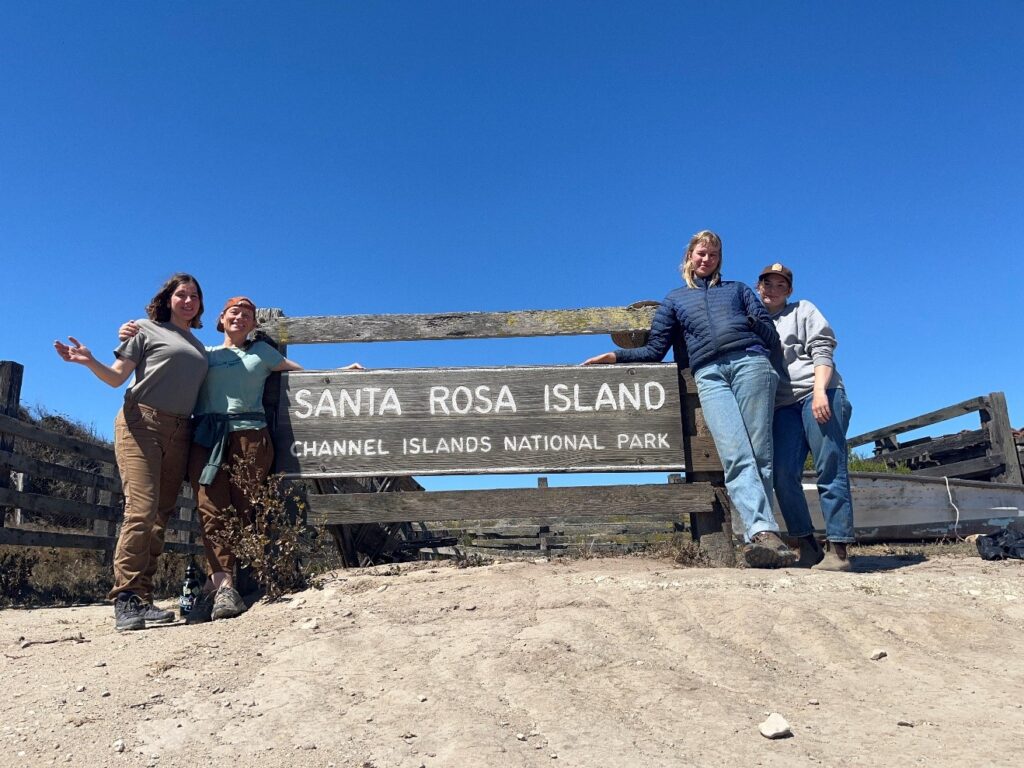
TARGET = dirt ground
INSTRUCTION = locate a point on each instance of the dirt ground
(599, 662)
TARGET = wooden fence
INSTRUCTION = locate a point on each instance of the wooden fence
(987, 453)
(39, 520)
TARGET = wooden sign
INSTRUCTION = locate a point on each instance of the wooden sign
(438, 421)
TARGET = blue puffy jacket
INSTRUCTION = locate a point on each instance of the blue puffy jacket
(703, 323)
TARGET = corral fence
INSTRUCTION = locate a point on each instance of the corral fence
(990, 453)
(89, 518)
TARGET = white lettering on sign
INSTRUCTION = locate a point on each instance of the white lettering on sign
(358, 402)
(519, 443)
(413, 446)
(642, 440)
(650, 396)
(461, 400)
(316, 448)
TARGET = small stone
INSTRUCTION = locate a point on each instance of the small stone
(521, 736)
(312, 623)
(535, 732)
(540, 560)
(100, 664)
(470, 608)
(775, 727)
(553, 756)
(308, 745)
(878, 654)
(905, 723)
(80, 689)
(119, 745)
(382, 587)
(422, 699)
(105, 694)
(813, 702)
(346, 614)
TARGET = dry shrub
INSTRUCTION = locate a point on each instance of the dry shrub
(686, 552)
(269, 539)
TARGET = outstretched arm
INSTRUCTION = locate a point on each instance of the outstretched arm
(115, 375)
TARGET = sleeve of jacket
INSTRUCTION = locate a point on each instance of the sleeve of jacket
(820, 339)
(664, 330)
(759, 320)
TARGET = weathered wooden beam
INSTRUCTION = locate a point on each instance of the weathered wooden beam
(936, 446)
(963, 468)
(38, 468)
(332, 329)
(10, 401)
(594, 501)
(20, 537)
(67, 443)
(49, 505)
(924, 420)
(1001, 435)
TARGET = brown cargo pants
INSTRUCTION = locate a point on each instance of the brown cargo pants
(213, 500)
(151, 448)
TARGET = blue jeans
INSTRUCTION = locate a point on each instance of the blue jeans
(737, 394)
(797, 433)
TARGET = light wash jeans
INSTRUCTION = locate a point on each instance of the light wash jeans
(737, 394)
(797, 433)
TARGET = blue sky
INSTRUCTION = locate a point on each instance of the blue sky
(374, 157)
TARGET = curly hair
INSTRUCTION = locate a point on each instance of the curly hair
(159, 307)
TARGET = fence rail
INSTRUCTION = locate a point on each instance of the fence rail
(46, 520)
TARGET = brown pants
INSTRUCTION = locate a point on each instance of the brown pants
(213, 500)
(151, 448)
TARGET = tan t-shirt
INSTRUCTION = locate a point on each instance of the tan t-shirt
(170, 365)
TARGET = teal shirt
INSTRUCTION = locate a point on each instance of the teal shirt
(234, 382)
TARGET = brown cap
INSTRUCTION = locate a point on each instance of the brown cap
(237, 301)
(778, 268)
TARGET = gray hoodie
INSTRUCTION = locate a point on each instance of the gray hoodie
(807, 341)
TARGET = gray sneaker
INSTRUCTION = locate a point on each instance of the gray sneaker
(768, 550)
(129, 612)
(227, 604)
(156, 615)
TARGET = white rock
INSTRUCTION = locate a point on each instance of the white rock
(311, 623)
(775, 727)
(877, 654)
(521, 736)
(119, 745)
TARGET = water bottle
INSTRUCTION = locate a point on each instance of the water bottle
(190, 589)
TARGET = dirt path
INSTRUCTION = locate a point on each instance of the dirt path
(604, 662)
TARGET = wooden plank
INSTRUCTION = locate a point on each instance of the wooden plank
(23, 538)
(1001, 434)
(334, 329)
(49, 505)
(936, 446)
(924, 420)
(983, 464)
(104, 480)
(485, 420)
(595, 501)
(72, 445)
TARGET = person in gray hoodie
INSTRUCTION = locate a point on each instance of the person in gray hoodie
(812, 414)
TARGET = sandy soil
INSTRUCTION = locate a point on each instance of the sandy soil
(601, 662)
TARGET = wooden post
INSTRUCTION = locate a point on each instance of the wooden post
(1001, 440)
(711, 529)
(11, 374)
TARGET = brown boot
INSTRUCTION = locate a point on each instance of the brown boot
(811, 552)
(768, 550)
(836, 558)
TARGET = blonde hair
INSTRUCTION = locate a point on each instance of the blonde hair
(686, 268)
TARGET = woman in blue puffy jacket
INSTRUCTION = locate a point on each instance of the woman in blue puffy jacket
(721, 331)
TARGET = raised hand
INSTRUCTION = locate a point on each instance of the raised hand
(76, 352)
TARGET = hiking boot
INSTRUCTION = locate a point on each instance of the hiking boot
(836, 558)
(811, 552)
(156, 615)
(201, 610)
(767, 550)
(129, 611)
(227, 604)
